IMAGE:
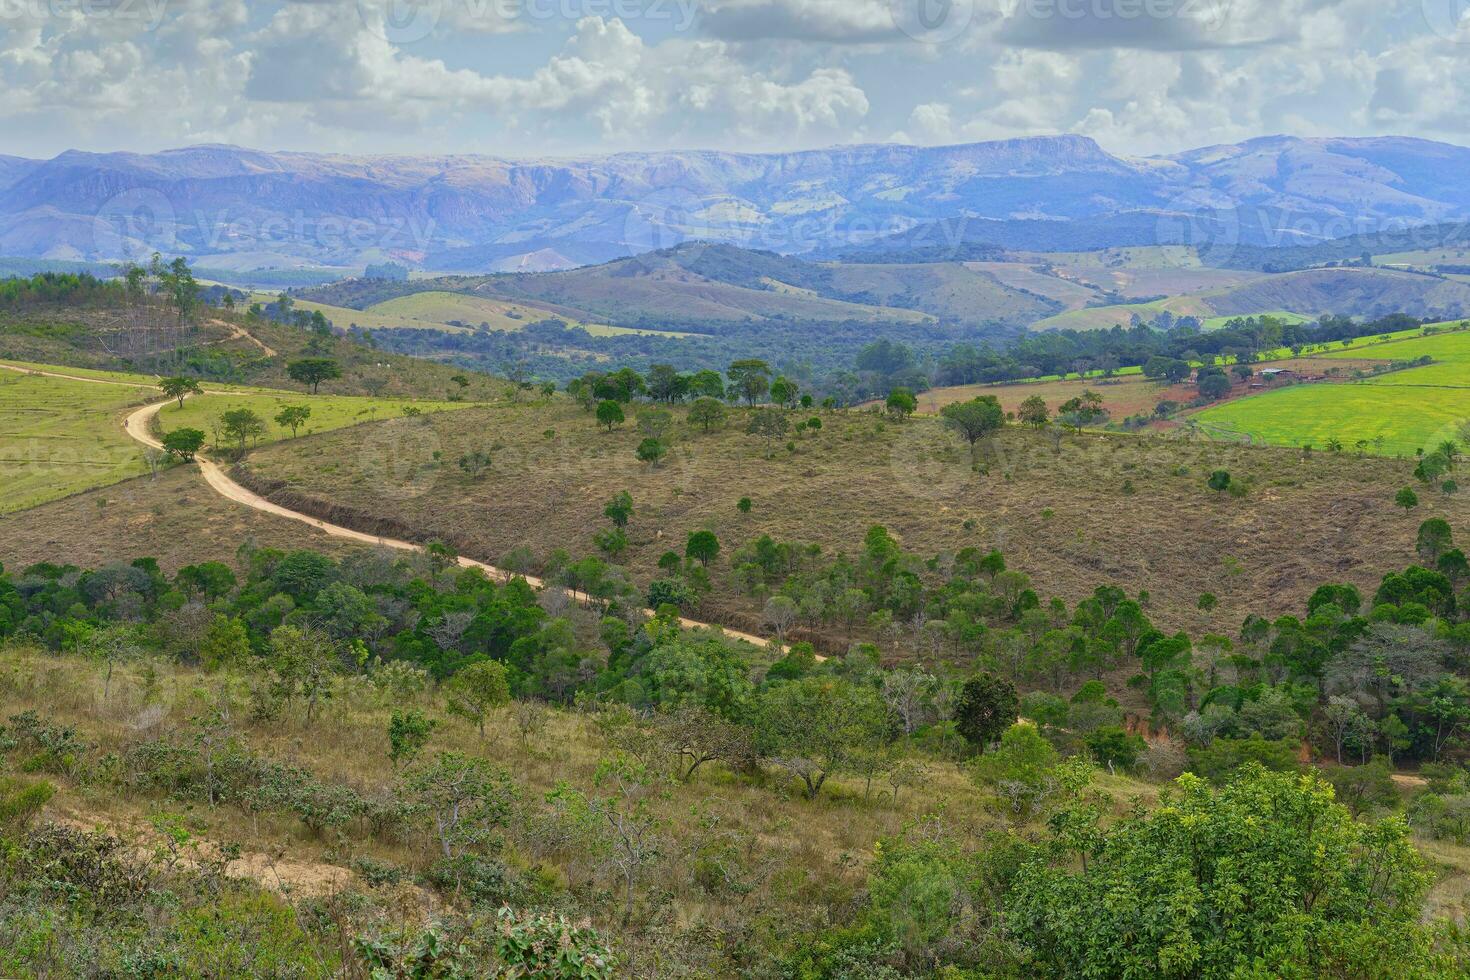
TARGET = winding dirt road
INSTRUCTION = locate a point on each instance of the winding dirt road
(138, 425)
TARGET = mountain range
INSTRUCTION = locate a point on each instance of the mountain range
(230, 207)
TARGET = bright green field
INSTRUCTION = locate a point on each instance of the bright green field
(1216, 322)
(327, 411)
(59, 437)
(1408, 410)
(1406, 419)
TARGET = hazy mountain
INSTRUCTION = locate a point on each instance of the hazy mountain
(480, 214)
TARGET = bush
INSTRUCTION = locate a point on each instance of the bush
(1224, 755)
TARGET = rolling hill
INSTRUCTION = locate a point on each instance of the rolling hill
(1359, 292)
(706, 287)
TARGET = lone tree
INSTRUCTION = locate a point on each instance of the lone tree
(769, 424)
(1219, 481)
(619, 508)
(609, 413)
(1033, 412)
(1407, 499)
(180, 388)
(408, 733)
(240, 424)
(183, 443)
(650, 451)
(702, 546)
(985, 708)
(313, 371)
(293, 417)
(476, 691)
(706, 412)
(901, 403)
(974, 419)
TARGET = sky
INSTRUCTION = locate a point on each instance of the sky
(529, 78)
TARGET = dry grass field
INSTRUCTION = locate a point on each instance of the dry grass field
(174, 517)
(1104, 508)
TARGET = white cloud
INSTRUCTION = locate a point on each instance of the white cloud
(484, 75)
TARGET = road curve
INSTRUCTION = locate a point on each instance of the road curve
(138, 425)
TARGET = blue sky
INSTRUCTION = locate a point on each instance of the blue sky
(528, 78)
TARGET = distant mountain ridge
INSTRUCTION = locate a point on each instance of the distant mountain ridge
(471, 213)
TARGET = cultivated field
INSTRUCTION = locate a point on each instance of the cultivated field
(59, 436)
(1398, 413)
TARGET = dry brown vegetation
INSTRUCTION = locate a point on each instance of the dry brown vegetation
(174, 517)
(779, 850)
(1126, 509)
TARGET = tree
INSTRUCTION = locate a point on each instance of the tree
(241, 424)
(697, 735)
(1267, 876)
(313, 371)
(302, 663)
(974, 419)
(1020, 770)
(654, 422)
(609, 413)
(293, 417)
(477, 690)
(1033, 412)
(707, 384)
(1407, 499)
(183, 443)
(1435, 538)
(1219, 481)
(780, 613)
(750, 379)
(813, 727)
(901, 403)
(408, 733)
(769, 424)
(784, 391)
(465, 798)
(619, 508)
(743, 505)
(650, 451)
(702, 546)
(706, 412)
(180, 388)
(986, 707)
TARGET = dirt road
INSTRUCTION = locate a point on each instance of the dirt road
(138, 425)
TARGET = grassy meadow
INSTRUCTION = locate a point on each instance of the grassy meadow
(59, 436)
(1397, 414)
(328, 412)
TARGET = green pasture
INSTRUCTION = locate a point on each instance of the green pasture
(59, 437)
(328, 412)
